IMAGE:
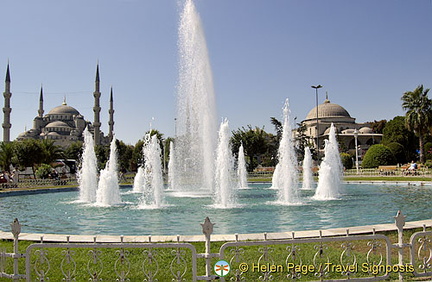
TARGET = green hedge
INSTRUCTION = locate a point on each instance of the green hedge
(378, 155)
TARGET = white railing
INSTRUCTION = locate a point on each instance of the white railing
(360, 257)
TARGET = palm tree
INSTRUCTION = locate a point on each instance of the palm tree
(418, 117)
(50, 151)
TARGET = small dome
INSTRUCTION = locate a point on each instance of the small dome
(348, 131)
(365, 130)
(57, 123)
(64, 110)
(326, 110)
(53, 134)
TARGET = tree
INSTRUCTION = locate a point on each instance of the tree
(6, 155)
(347, 160)
(74, 150)
(102, 155)
(419, 114)
(378, 126)
(137, 155)
(255, 143)
(278, 127)
(29, 153)
(395, 131)
(124, 153)
(50, 151)
(398, 151)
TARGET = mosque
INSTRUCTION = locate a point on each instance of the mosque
(63, 124)
(320, 118)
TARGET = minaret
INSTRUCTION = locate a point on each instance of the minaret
(7, 109)
(97, 109)
(111, 117)
(41, 110)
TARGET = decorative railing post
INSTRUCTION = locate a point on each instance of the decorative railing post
(400, 223)
(207, 228)
(16, 230)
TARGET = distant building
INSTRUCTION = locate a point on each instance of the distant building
(63, 124)
(329, 113)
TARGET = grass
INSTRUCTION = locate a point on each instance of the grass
(164, 262)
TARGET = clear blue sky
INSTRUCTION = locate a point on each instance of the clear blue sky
(365, 53)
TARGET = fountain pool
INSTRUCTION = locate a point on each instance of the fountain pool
(361, 204)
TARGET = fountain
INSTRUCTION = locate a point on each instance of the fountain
(307, 170)
(196, 123)
(172, 170)
(138, 186)
(87, 177)
(241, 168)
(108, 192)
(330, 172)
(225, 194)
(153, 181)
(286, 174)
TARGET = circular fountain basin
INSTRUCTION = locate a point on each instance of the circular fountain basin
(361, 204)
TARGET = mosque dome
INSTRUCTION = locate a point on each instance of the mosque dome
(365, 130)
(64, 110)
(328, 110)
(57, 123)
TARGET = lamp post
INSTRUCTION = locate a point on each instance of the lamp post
(356, 150)
(317, 125)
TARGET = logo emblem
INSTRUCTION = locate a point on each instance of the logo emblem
(222, 268)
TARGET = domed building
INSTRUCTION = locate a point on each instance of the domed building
(319, 120)
(64, 124)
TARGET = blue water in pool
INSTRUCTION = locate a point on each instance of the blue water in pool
(362, 204)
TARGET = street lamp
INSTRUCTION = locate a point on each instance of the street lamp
(356, 149)
(317, 126)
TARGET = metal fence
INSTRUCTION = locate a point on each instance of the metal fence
(362, 257)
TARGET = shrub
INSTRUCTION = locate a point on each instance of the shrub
(347, 160)
(428, 164)
(378, 155)
(398, 151)
(428, 150)
(43, 171)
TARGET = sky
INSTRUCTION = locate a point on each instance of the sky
(366, 54)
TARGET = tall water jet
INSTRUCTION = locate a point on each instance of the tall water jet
(330, 172)
(241, 168)
(196, 122)
(286, 177)
(153, 183)
(138, 186)
(172, 168)
(225, 192)
(87, 177)
(308, 181)
(108, 192)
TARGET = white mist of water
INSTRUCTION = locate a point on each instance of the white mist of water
(138, 186)
(225, 192)
(330, 173)
(196, 122)
(241, 168)
(275, 177)
(108, 192)
(87, 177)
(285, 178)
(308, 181)
(172, 168)
(153, 185)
